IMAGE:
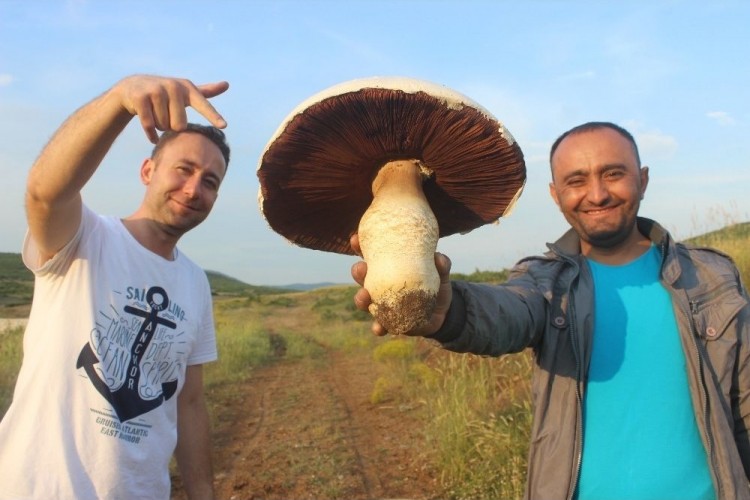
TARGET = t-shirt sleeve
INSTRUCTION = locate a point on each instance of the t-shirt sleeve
(32, 258)
(205, 350)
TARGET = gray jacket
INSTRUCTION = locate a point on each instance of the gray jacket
(547, 304)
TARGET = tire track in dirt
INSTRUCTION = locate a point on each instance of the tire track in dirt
(305, 429)
(349, 436)
(372, 484)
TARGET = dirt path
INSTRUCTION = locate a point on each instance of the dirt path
(307, 430)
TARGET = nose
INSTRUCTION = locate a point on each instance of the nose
(598, 194)
(192, 186)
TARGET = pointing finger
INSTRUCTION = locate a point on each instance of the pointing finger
(199, 102)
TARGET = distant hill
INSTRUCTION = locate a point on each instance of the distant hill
(303, 287)
(728, 234)
(17, 282)
(221, 284)
(12, 267)
(17, 286)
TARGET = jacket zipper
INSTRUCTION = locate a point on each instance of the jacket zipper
(579, 400)
(579, 378)
(695, 305)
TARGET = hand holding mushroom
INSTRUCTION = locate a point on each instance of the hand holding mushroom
(399, 162)
(363, 301)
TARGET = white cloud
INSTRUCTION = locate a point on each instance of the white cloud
(652, 143)
(656, 144)
(722, 118)
(5, 79)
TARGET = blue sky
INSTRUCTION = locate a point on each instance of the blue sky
(674, 73)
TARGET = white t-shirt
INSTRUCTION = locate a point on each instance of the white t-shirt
(112, 330)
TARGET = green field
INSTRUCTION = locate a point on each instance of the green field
(477, 409)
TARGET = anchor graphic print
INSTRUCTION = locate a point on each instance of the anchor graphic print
(128, 358)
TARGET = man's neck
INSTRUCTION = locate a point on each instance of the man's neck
(151, 236)
(626, 251)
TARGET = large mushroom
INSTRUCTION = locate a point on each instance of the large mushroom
(400, 161)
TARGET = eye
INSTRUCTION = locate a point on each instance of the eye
(613, 174)
(575, 181)
(211, 183)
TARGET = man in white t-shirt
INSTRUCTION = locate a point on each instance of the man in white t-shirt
(111, 384)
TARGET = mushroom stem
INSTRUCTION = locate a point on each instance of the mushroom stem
(398, 236)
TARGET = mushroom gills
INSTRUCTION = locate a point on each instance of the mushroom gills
(398, 237)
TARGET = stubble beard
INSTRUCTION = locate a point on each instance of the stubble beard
(177, 225)
(607, 237)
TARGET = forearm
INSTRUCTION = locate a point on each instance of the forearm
(77, 148)
(193, 452)
(491, 320)
(64, 166)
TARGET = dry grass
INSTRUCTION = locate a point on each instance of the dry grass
(478, 408)
(10, 362)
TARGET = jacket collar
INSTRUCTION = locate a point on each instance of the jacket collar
(569, 246)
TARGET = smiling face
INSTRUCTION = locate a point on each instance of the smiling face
(183, 182)
(598, 184)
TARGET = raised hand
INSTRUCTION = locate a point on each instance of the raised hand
(161, 103)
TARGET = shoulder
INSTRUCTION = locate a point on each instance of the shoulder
(705, 267)
(196, 273)
(539, 265)
(705, 256)
(543, 273)
(88, 232)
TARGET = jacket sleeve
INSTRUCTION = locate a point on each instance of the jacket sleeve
(741, 392)
(494, 319)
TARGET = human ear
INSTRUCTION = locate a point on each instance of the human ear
(644, 180)
(147, 168)
(553, 193)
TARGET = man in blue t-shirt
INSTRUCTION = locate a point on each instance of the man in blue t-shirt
(642, 380)
(657, 452)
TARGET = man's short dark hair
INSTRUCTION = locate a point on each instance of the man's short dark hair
(592, 126)
(213, 134)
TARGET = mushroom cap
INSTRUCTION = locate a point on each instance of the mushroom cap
(317, 170)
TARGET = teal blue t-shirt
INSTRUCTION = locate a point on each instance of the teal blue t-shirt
(641, 439)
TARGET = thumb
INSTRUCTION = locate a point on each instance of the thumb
(213, 89)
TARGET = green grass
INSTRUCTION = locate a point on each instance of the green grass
(11, 347)
(241, 347)
(482, 276)
(477, 410)
(479, 423)
(16, 282)
(12, 268)
(244, 343)
(733, 240)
